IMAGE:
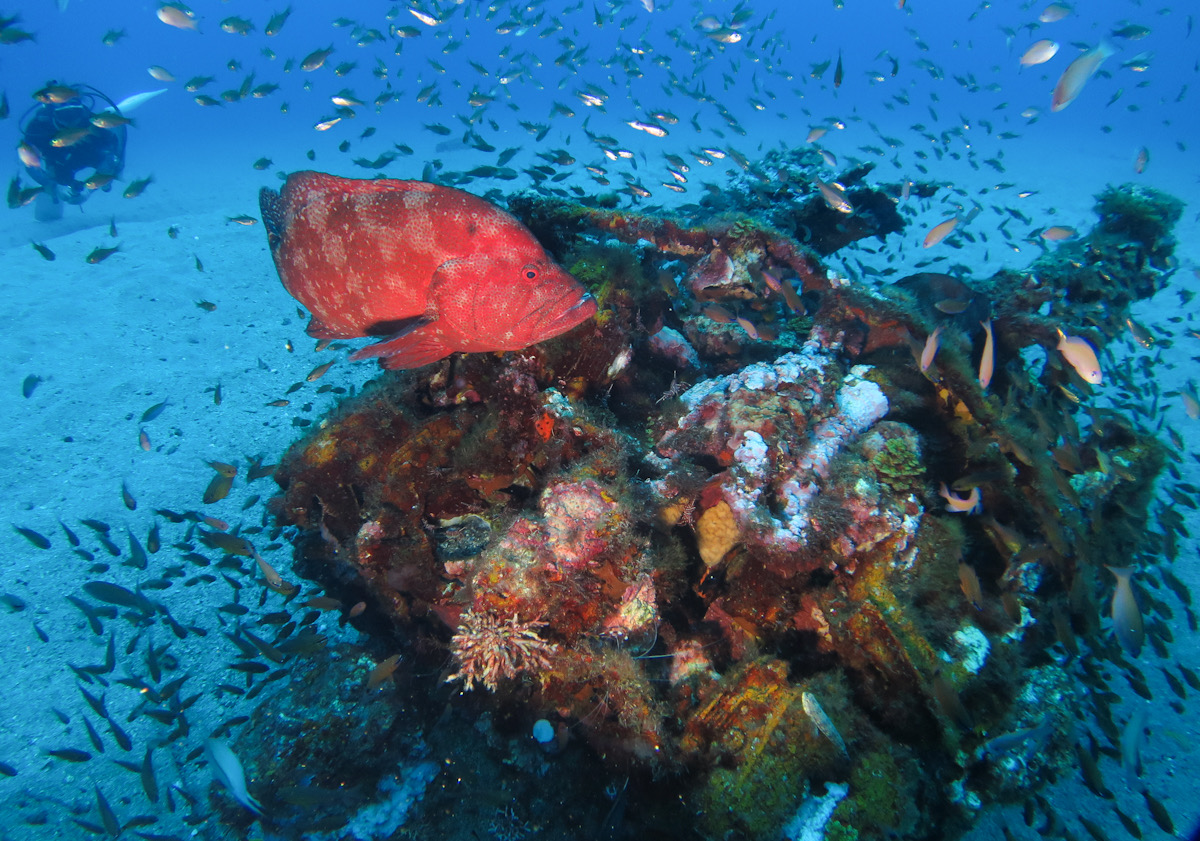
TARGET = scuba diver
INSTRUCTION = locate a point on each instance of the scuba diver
(72, 142)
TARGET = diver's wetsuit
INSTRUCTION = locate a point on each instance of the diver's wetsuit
(102, 150)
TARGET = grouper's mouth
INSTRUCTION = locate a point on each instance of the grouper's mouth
(579, 312)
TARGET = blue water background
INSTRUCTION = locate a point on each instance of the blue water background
(939, 47)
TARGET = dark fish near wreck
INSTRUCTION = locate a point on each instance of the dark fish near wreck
(99, 254)
(36, 538)
(70, 754)
(116, 594)
(940, 295)
(433, 269)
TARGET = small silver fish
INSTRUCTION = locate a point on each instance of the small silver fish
(1033, 737)
(227, 769)
(1126, 615)
(823, 722)
(834, 195)
(1131, 743)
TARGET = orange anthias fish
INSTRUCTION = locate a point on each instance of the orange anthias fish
(931, 348)
(940, 231)
(987, 362)
(432, 269)
(1071, 82)
(1081, 356)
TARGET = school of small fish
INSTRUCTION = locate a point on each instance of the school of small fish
(468, 114)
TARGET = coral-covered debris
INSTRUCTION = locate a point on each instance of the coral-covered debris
(701, 535)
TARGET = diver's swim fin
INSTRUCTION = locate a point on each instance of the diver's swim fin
(130, 102)
(47, 207)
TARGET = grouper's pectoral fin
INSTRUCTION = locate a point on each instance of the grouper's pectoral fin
(416, 344)
(317, 329)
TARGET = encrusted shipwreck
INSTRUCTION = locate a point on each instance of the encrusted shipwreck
(701, 535)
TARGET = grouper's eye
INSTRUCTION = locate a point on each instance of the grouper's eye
(531, 273)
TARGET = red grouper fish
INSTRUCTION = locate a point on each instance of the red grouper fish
(432, 269)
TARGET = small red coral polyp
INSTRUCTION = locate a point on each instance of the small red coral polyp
(367, 541)
(708, 411)
(580, 518)
(712, 493)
